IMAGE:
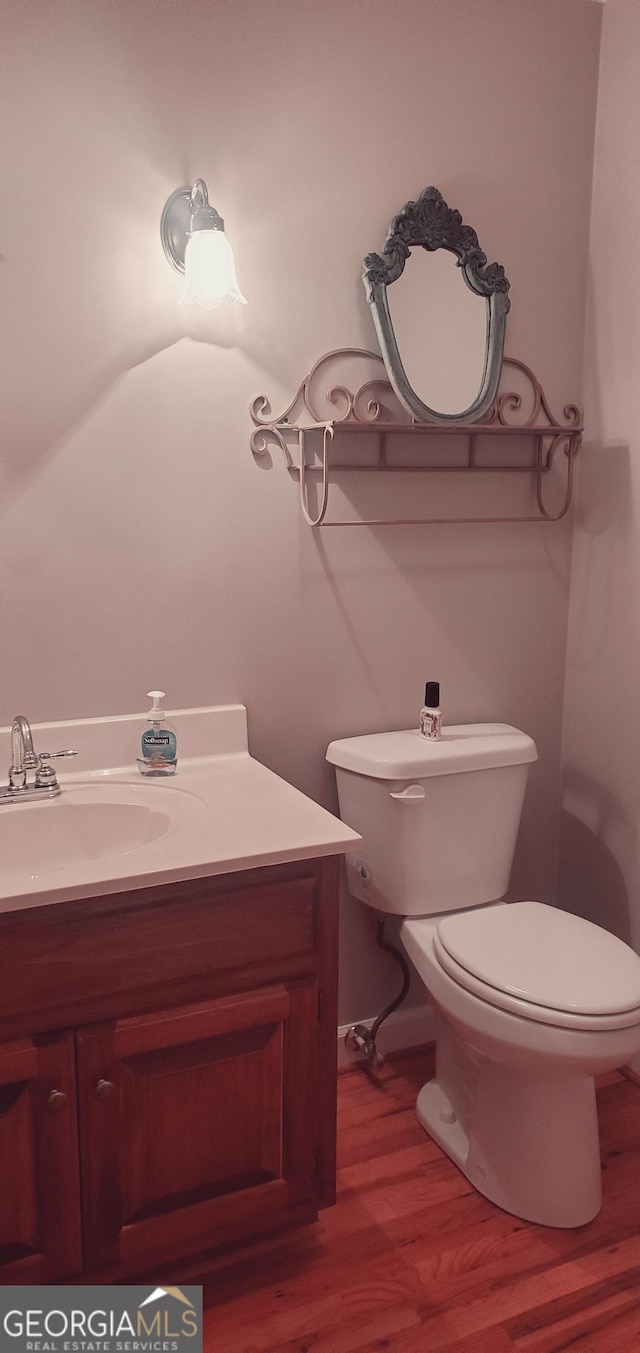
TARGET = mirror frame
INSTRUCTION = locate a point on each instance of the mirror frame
(431, 223)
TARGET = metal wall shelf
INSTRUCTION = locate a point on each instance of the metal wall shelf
(365, 409)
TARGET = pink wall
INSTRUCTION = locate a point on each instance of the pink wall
(140, 543)
(600, 858)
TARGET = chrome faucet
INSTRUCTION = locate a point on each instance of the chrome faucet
(23, 759)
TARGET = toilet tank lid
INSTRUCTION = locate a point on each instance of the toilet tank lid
(408, 755)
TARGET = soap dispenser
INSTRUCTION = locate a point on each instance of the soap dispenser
(158, 742)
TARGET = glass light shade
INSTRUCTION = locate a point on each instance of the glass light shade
(210, 271)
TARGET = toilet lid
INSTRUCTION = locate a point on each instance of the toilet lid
(544, 956)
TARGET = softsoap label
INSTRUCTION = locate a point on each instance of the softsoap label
(101, 1319)
(159, 744)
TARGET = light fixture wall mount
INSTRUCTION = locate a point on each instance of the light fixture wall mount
(187, 209)
(194, 241)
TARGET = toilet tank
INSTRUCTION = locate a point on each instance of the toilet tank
(439, 820)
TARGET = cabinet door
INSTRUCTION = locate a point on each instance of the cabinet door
(197, 1126)
(39, 1178)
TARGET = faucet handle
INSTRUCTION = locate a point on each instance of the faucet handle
(45, 775)
(53, 756)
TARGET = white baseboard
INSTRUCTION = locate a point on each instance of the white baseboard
(403, 1029)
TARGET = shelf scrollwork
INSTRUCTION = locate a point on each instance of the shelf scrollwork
(370, 405)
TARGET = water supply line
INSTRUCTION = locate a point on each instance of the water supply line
(360, 1038)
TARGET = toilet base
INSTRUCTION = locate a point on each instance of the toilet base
(527, 1141)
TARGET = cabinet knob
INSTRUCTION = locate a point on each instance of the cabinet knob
(56, 1100)
(104, 1089)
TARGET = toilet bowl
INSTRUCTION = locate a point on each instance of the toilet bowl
(530, 1003)
(513, 1098)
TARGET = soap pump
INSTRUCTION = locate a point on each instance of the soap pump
(431, 714)
(158, 748)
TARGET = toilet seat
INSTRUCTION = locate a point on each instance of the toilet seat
(543, 964)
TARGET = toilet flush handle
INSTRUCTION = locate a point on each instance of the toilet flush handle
(412, 794)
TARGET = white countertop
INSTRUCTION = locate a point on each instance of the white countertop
(225, 811)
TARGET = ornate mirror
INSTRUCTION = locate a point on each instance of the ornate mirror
(441, 341)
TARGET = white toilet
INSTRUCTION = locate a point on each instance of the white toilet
(530, 1002)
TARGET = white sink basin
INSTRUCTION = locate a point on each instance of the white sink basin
(90, 822)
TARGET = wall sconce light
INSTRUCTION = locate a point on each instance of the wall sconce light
(194, 241)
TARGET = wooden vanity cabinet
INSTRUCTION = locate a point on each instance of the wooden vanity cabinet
(167, 1072)
(40, 1239)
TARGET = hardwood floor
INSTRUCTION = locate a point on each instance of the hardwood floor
(412, 1260)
